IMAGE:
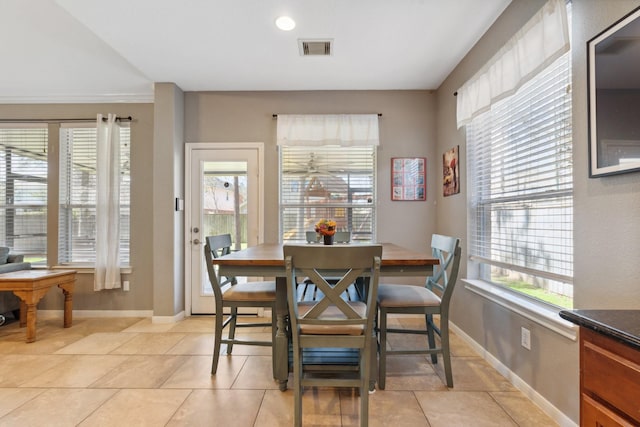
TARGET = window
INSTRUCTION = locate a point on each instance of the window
(77, 213)
(334, 182)
(23, 190)
(521, 188)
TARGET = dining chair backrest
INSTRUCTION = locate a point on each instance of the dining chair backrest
(320, 263)
(312, 237)
(342, 237)
(448, 252)
(215, 247)
(338, 237)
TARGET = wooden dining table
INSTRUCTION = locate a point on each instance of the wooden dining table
(267, 260)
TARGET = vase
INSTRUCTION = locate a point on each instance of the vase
(328, 240)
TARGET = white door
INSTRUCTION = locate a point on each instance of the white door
(223, 195)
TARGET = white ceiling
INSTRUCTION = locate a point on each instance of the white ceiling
(114, 50)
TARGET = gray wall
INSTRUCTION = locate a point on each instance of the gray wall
(407, 129)
(167, 185)
(605, 215)
(159, 131)
(607, 210)
(414, 123)
(140, 297)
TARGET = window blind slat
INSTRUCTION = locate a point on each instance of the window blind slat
(23, 190)
(327, 182)
(77, 217)
(521, 179)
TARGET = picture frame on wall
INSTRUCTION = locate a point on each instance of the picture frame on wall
(408, 179)
(451, 172)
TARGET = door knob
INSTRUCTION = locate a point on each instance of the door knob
(196, 242)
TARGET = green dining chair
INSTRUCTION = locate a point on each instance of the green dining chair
(342, 237)
(432, 299)
(228, 293)
(312, 237)
(331, 322)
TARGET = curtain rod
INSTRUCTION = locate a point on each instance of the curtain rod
(104, 119)
(275, 116)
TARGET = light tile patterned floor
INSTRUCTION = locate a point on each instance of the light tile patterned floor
(130, 372)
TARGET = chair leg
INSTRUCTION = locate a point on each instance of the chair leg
(297, 387)
(382, 364)
(216, 341)
(446, 352)
(232, 328)
(431, 337)
(364, 385)
(273, 339)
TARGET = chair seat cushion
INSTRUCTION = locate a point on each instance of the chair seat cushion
(391, 295)
(252, 291)
(332, 312)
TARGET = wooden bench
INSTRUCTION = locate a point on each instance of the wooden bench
(31, 285)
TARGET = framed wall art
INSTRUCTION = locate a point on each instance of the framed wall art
(408, 179)
(451, 172)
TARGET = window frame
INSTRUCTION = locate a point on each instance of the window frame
(343, 154)
(480, 264)
(30, 178)
(125, 217)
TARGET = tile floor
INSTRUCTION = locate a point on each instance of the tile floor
(130, 372)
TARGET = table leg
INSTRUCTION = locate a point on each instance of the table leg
(23, 314)
(280, 350)
(28, 309)
(67, 290)
(31, 322)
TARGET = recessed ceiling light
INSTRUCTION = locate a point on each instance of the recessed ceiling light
(285, 23)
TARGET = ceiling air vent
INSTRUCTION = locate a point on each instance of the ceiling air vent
(313, 47)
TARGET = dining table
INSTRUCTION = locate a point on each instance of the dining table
(267, 260)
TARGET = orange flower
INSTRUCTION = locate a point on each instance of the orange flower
(326, 227)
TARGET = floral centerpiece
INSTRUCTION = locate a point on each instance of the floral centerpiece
(326, 227)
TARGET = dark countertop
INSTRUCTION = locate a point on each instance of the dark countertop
(621, 325)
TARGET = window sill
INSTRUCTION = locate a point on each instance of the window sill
(539, 313)
(81, 269)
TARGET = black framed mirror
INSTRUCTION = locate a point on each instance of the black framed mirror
(613, 58)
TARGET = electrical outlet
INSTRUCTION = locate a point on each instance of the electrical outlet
(526, 338)
(125, 285)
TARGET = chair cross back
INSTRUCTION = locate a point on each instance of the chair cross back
(444, 249)
(215, 247)
(322, 264)
(332, 292)
(338, 237)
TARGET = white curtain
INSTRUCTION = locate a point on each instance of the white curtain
(107, 274)
(540, 42)
(328, 129)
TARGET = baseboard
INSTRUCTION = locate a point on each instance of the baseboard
(168, 319)
(114, 313)
(546, 406)
(96, 313)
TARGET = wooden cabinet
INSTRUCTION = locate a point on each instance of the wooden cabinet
(609, 381)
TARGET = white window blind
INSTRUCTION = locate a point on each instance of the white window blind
(330, 182)
(23, 190)
(521, 185)
(77, 227)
